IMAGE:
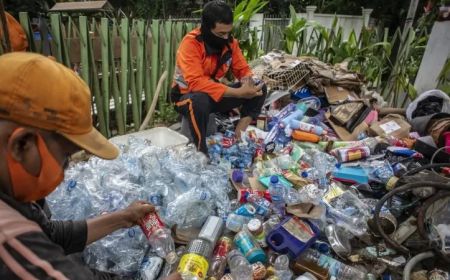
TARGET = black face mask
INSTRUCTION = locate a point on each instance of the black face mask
(214, 41)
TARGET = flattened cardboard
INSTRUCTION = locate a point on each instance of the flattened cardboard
(343, 133)
(305, 210)
(336, 95)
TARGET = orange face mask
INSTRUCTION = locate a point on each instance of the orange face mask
(26, 187)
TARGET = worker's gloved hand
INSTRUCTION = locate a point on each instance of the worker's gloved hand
(248, 91)
(137, 210)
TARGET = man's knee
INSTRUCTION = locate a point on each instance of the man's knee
(201, 103)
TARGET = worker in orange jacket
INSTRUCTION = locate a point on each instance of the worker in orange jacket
(205, 55)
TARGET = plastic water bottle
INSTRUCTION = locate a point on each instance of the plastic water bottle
(159, 237)
(261, 204)
(239, 266)
(321, 163)
(277, 192)
(282, 270)
(335, 268)
(218, 261)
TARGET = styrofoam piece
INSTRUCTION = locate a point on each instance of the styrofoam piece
(159, 136)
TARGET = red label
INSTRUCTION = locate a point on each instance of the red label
(244, 192)
(223, 247)
(150, 223)
(227, 142)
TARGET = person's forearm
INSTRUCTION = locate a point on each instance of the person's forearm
(232, 92)
(103, 225)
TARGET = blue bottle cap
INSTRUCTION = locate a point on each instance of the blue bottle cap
(338, 165)
(257, 256)
(71, 184)
(304, 174)
(274, 179)
(237, 176)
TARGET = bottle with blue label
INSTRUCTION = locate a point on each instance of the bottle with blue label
(249, 247)
(277, 192)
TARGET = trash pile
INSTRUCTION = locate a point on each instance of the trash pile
(326, 185)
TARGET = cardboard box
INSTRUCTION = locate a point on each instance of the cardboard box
(336, 95)
(343, 133)
(391, 125)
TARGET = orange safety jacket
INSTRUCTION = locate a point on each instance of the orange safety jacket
(194, 66)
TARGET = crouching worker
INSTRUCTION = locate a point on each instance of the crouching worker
(204, 57)
(45, 117)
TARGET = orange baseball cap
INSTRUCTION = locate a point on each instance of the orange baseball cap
(39, 92)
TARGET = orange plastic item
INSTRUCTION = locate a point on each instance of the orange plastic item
(305, 136)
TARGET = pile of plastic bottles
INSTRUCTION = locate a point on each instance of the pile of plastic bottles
(174, 180)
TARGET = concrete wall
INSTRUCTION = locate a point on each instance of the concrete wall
(348, 23)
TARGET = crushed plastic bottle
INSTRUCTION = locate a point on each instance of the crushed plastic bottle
(335, 268)
(190, 209)
(281, 266)
(239, 266)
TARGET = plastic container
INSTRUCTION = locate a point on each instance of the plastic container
(306, 127)
(277, 192)
(159, 136)
(255, 227)
(159, 237)
(235, 222)
(299, 135)
(239, 266)
(292, 237)
(194, 264)
(218, 261)
(211, 229)
(249, 248)
(281, 266)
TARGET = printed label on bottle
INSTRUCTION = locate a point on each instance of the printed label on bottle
(299, 229)
(223, 247)
(194, 265)
(245, 243)
(150, 223)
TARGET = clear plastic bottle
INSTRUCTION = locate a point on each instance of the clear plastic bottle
(239, 266)
(277, 192)
(218, 261)
(335, 268)
(261, 204)
(159, 237)
(282, 270)
(235, 222)
(320, 164)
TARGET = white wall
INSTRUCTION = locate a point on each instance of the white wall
(434, 58)
(348, 22)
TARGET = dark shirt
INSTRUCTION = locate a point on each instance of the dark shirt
(57, 240)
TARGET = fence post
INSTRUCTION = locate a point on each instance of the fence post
(167, 28)
(104, 40)
(257, 22)
(84, 49)
(124, 60)
(140, 61)
(55, 21)
(25, 22)
(366, 16)
(155, 59)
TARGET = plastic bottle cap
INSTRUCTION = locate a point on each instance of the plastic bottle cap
(254, 225)
(237, 176)
(172, 257)
(304, 174)
(274, 179)
(338, 165)
(72, 184)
